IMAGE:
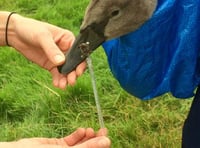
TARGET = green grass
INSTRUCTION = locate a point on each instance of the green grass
(30, 106)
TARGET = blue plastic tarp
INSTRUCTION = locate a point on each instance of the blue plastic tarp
(161, 56)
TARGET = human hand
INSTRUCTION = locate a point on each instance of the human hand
(43, 44)
(81, 138)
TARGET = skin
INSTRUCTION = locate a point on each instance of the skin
(44, 44)
(81, 138)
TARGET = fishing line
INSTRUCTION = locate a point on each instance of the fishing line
(99, 112)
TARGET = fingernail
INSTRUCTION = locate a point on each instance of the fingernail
(59, 58)
(104, 131)
(103, 143)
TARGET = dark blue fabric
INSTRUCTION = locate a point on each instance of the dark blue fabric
(191, 129)
(162, 55)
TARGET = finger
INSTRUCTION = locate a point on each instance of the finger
(102, 132)
(62, 82)
(75, 137)
(88, 135)
(81, 68)
(55, 76)
(55, 82)
(70, 140)
(71, 78)
(98, 142)
(65, 41)
(59, 80)
(52, 51)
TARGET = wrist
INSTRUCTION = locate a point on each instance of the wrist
(7, 27)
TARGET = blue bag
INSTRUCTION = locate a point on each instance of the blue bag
(162, 55)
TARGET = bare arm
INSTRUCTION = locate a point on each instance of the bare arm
(41, 43)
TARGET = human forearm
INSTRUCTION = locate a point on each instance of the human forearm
(40, 42)
(10, 30)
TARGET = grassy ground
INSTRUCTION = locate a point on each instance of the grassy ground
(30, 106)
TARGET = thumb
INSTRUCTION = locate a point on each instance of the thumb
(52, 51)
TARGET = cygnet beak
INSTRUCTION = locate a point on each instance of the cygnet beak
(86, 42)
